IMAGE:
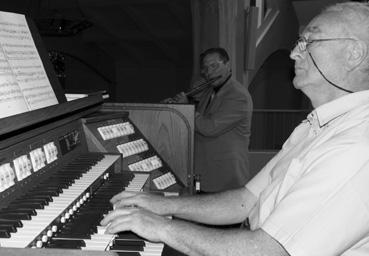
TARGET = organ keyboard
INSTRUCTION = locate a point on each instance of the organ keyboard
(60, 207)
(63, 209)
(82, 232)
(55, 191)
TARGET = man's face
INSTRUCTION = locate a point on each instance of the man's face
(213, 66)
(327, 55)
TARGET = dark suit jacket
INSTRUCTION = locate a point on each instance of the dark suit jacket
(222, 133)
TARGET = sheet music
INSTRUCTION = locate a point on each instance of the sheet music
(21, 70)
(11, 97)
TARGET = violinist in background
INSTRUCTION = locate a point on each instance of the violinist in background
(222, 124)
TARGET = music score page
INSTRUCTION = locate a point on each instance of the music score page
(24, 84)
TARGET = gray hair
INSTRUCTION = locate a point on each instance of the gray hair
(354, 17)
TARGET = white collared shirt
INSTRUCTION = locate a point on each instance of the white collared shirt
(314, 194)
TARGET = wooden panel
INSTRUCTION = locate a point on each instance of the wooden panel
(169, 128)
(96, 143)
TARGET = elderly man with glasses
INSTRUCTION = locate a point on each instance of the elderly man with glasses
(312, 198)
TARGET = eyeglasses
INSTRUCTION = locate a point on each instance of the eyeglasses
(303, 43)
(210, 66)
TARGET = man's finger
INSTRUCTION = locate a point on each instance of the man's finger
(120, 224)
(122, 195)
(115, 214)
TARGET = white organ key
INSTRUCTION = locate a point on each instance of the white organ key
(32, 228)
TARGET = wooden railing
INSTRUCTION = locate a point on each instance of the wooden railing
(270, 128)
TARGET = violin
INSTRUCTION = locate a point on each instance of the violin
(199, 88)
(195, 90)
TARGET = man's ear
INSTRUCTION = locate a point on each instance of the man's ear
(358, 51)
(228, 65)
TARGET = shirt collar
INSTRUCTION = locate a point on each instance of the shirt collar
(331, 110)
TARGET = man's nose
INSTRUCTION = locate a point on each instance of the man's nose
(296, 53)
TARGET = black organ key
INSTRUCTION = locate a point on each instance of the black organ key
(15, 216)
(56, 184)
(30, 211)
(9, 227)
(4, 233)
(49, 193)
(128, 236)
(30, 205)
(128, 253)
(126, 247)
(66, 243)
(130, 242)
(53, 191)
(15, 223)
(43, 200)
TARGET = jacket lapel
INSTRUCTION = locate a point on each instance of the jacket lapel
(214, 104)
(202, 107)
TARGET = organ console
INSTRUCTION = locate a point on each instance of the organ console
(60, 165)
(115, 132)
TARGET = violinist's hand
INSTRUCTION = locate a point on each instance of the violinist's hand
(179, 98)
(168, 101)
